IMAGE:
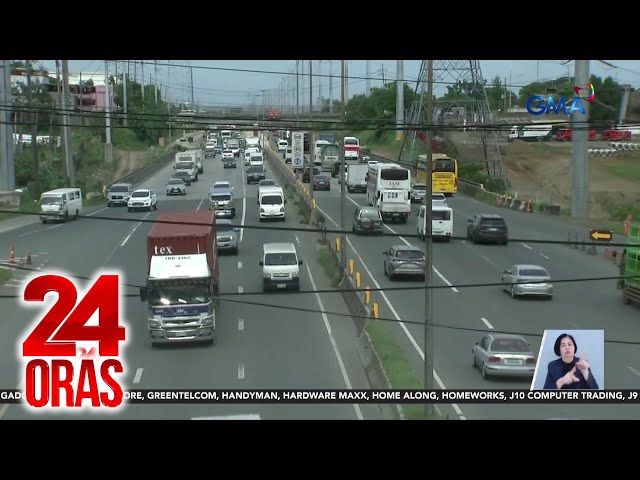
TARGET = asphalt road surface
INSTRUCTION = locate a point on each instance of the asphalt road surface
(464, 315)
(258, 346)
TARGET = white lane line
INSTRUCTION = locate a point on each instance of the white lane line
(486, 322)
(126, 239)
(244, 205)
(97, 211)
(200, 204)
(239, 265)
(325, 319)
(395, 314)
(543, 255)
(138, 375)
(240, 289)
(633, 370)
(435, 270)
(240, 325)
(526, 246)
(241, 371)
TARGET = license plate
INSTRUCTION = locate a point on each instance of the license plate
(181, 334)
(282, 285)
(224, 244)
(396, 214)
(513, 362)
(493, 229)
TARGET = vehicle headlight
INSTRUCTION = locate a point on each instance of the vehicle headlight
(261, 210)
(295, 274)
(207, 320)
(266, 275)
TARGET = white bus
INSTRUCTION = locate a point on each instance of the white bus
(351, 146)
(389, 188)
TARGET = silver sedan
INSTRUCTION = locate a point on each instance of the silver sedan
(527, 280)
(504, 355)
(404, 260)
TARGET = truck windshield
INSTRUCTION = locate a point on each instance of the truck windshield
(162, 295)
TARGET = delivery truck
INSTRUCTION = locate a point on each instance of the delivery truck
(182, 278)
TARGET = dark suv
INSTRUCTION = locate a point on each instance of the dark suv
(484, 227)
(255, 173)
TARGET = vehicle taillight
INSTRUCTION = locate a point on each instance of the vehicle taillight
(493, 358)
(531, 361)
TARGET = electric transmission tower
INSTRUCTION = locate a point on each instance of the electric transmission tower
(469, 111)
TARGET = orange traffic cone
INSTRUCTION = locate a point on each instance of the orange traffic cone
(12, 255)
(29, 257)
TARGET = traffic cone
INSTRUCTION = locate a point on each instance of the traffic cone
(12, 255)
(29, 257)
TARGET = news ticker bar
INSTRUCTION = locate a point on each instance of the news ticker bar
(358, 396)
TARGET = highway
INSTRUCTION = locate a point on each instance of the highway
(463, 315)
(258, 346)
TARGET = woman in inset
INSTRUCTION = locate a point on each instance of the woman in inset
(568, 371)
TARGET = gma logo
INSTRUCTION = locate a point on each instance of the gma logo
(537, 105)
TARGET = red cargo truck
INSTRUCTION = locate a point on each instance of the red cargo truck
(182, 277)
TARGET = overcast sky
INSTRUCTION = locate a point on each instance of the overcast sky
(229, 82)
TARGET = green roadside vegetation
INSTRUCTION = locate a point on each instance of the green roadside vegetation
(141, 141)
(5, 275)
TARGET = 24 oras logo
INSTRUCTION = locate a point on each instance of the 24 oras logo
(537, 105)
(62, 366)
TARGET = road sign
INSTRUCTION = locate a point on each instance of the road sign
(601, 235)
(297, 150)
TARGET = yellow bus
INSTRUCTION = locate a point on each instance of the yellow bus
(445, 173)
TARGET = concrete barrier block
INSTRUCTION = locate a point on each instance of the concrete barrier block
(10, 200)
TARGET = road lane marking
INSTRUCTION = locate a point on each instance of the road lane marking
(633, 370)
(327, 325)
(543, 255)
(240, 325)
(486, 322)
(435, 270)
(241, 371)
(240, 289)
(200, 204)
(395, 314)
(126, 239)
(138, 375)
(239, 264)
(526, 246)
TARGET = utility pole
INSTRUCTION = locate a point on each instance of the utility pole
(330, 86)
(155, 80)
(367, 84)
(33, 119)
(66, 126)
(399, 99)
(7, 154)
(346, 80)
(580, 157)
(428, 277)
(297, 93)
(192, 97)
(108, 147)
(312, 137)
(61, 107)
(320, 85)
(343, 188)
(124, 95)
(142, 81)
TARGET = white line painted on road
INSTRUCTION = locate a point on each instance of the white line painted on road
(138, 375)
(435, 270)
(543, 255)
(297, 239)
(240, 325)
(126, 239)
(526, 246)
(395, 314)
(55, 226)
(244, 205)
(240, 289)
(97, 211)
(200, 204)
(325, 319)
(241, 371)
(239, 264)
(486, 322)
(633, 370)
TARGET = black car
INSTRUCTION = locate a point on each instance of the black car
(184, 175)
(485, 227)
(255, 173)
(306, 174)
(321, 182)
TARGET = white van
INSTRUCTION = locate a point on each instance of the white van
(280, 266)
(248, 152)
(441, 222)
(282, 145)
(256, 159)
(61, 204)
(271, 202)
